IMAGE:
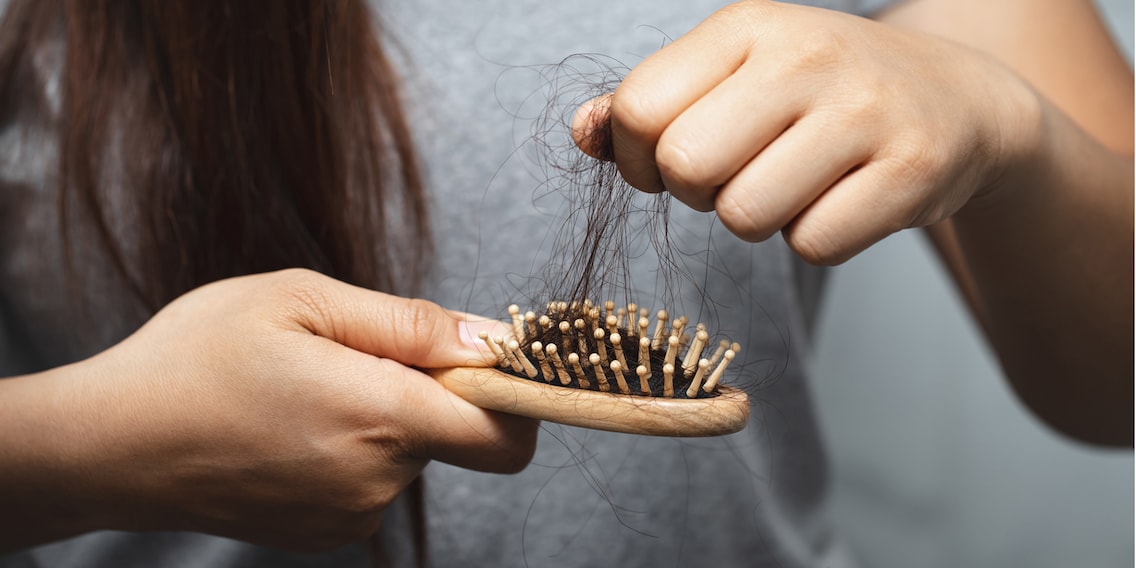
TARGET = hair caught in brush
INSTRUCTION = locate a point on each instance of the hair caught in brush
(584, 325)
(608, 242)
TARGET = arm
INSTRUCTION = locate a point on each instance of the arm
(1047, 265)
(274, 409)
(837, 131)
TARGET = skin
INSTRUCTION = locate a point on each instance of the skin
(280, 409)
(284, 408)
(1004, 128)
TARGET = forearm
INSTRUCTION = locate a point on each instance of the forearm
(46, 481)
(1050, 255)
(1045, 257)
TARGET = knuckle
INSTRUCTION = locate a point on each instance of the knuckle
(816, 244)
(301, 285)
(862, 105)
(743, 16)
(916, 158)
(296, 276)
(419, 322)
(634, 110)
(301, 295)
(639, 174)
(404, 440)
(678, 164)
(392, 442)
(820, 49)
(742, 218)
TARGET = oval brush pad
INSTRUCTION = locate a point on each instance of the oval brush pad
(583, 365)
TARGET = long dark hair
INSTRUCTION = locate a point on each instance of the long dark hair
(244, 136)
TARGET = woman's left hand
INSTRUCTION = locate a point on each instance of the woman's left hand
(834, 129)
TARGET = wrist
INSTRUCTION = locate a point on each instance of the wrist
(1022, 124)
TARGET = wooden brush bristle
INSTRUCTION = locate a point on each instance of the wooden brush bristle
(612, 350)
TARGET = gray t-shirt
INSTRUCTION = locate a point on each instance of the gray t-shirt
(472, 78)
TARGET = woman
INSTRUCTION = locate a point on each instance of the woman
(283, 409)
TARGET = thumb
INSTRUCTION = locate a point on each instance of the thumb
(413, 332)
(591, 128)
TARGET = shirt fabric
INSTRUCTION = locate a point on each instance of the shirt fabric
(475, 74)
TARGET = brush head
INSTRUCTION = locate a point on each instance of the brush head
(584, 365)
(613, 344)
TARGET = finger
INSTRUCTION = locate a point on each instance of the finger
(721, 132)
(788, 175)
(855, 213)
(653, 94)
(442, 426)
(411, 331)
(591, 128)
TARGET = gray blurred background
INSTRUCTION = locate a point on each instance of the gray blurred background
(936, 464)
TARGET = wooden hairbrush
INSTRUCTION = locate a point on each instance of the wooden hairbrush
(581, 365)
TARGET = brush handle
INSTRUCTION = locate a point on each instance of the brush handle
(631, 414)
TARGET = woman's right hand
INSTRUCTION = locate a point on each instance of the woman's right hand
(280, 409)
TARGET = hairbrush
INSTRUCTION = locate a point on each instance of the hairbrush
(602, 367)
